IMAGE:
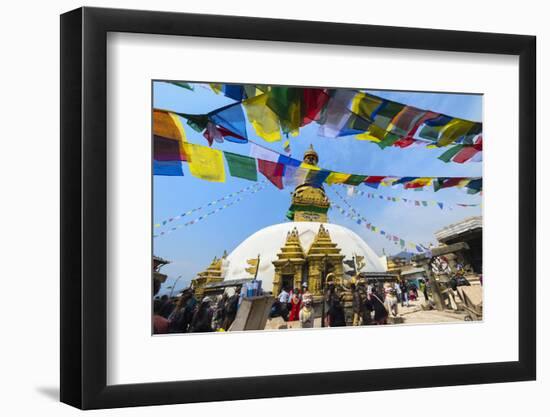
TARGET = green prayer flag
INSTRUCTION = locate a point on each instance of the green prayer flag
(355, 179)
(450, 153)
(241, 166)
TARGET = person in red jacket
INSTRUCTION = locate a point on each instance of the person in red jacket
(296, 305)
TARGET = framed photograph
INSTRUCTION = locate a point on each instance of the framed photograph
(259, 208)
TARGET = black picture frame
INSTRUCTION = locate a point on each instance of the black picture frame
(84, 207)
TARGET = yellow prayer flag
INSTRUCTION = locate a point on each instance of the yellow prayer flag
(337, 178)
(168, 125)
(454, 130)
(308, 166)
(364, 105)
(205, 163)
(264, 120)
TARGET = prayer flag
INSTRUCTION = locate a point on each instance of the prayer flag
(443, 182)
(232, 118)
(355, 179)
(386, 112)
(168, 168)
(165, 149)
(474, 186)
(450, 153)
(167, 125)
(205, 163)
(287, 160)
(259, 152)
(465, 154)
(264, 120)
(337, 178)
(373, 181)
(313, 101)
(432, 127)
(365, 105)
(187, 86)
(234, 91)
(454, 130)
(336, 114)
(405, 120)
(241, 166)
(286, 103)
(212, 133)
(294, 175)
(317, 177)
(273, 171)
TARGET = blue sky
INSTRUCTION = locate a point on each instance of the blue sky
(190, 249)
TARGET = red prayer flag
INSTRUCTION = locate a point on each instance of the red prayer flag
(465, 154)
(404, 142)
(314, 100)
(273, 171)
(374, 179)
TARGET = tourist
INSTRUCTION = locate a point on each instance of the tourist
(284, 298)
(306, 312)
(424, 289)
(295, 305)
(231, 307)
(336, 314)
(397, 289)
(390, 299)
(380, 312)
(160, 324)
(181, 316)
(202, 319)
(404, 293)
(357, 305)
(219, 312)
(167, 306)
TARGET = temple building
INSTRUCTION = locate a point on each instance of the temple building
(210, 275)
(304, 250)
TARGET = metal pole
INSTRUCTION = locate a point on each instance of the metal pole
(174, 285)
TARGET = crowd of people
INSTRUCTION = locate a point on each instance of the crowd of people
(186, 315)
(371, 304)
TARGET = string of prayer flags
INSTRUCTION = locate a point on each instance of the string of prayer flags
(375, 229)
(205, 163)
(338, 112)
(241, 166)
(204, 216)
(359, 219)
(408, 201)
(211, 203)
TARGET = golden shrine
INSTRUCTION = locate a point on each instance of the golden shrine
(212, 274)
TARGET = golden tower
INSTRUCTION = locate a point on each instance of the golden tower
(309, 201)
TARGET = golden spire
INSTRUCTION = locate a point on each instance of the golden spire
(310, 156)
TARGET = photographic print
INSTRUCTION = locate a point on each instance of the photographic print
(286, 207)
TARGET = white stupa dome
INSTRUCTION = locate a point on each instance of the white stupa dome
(268, 241)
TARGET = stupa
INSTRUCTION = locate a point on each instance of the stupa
(305, 249)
